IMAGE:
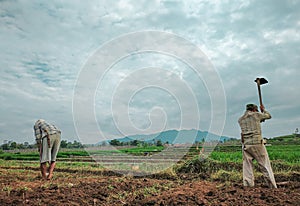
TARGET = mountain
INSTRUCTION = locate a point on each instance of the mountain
(176, 137)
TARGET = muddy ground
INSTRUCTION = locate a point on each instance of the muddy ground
(24, 187)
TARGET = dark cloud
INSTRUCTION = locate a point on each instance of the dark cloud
(44, 46)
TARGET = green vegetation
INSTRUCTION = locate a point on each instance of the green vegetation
(78, 153)
(285, 153)
(75, 144)
(141, 150)
(139, 143)
(67, 154)
(11, 145)
(19, 156)
(292, 139)
(224, 163)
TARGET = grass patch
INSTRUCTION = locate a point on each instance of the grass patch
(142, 150)
(223, 175)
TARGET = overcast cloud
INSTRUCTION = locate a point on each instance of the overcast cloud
(46, 44)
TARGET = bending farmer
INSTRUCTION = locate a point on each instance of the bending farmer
(48, 141)
(253, 145)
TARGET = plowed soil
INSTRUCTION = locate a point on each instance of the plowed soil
(26, 188)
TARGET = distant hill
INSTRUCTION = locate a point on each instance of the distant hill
(176, 137)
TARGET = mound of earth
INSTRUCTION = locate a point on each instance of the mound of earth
(123, 190)
(207, 193)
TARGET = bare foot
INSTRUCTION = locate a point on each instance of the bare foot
(49, 177)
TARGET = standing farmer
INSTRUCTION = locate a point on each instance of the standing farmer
(48, 141)
(253, 145)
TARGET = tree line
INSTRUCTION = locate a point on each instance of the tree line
(12, 145)
(116, 142)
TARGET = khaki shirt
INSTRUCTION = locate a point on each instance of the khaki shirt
(250, 126)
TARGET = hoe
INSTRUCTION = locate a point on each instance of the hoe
(260, 81)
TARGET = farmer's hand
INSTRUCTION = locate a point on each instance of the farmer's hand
(39, 144)
(262, 108)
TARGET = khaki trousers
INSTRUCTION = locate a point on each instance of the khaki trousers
(259, 153)
(49, 153)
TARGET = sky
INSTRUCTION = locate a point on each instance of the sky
(105, 69)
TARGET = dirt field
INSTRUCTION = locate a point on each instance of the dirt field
(24, 187)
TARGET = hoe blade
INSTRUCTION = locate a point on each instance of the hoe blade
(261, 81)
